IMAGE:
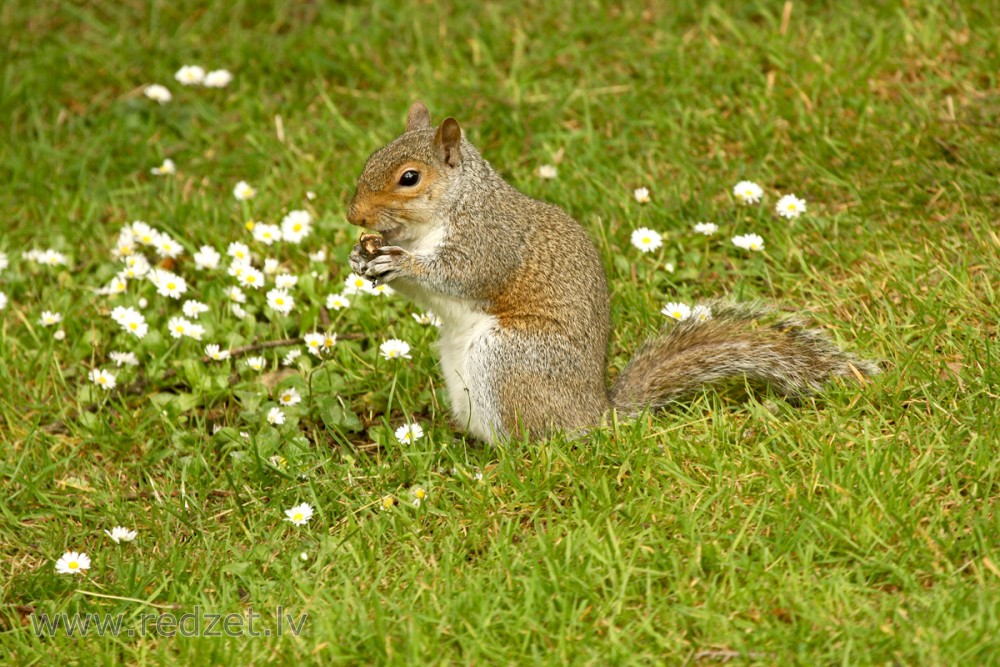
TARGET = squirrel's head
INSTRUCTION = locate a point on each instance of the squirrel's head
(400, 191)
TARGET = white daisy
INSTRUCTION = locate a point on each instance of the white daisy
(296, 226)
(59, 334)
(193, 309)
(256, 363)
(749, 242)
(190, 75)
(267, 234)
(337, 302)
(318, 256)
(387, 502)
(289, 397)
(238, 251)
(677, 311)
(329, 340)
(218, 78)
(238, 311)
(121, 534)
(280, 300)
(4, 262)
(168, 167)
(748, 192)
(285, 280)
(130, 320)
(701, 313)
(427, 318)
(50, 318)
(73, 563)
(143, 233)
(157, 93)
(300, 514)
(409, 433)
(291, 356)
(271, 266)
(251, 277)
(167, 284)
(395, 349)
(790, 207)
(207, 257)
(418, 495)
(706, 228)
(548, 172)
(236, 295)
(102, 378)
(354, 284)
(124, 359)
(3, 300)
(243, 191)
(136, 266)
(381, 289)
(275, 416)
(646, 240)
(310, 195)
(641, 195)
(213, 351)
(314, 343)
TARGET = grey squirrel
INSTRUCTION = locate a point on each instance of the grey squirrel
(524, 303)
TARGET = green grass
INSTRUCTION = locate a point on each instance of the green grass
(859, 527)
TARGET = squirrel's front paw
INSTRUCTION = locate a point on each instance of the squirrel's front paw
(388, 264)
(358, 262)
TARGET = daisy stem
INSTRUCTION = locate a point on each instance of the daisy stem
(392, 392)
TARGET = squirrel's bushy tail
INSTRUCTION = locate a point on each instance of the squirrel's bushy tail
(737, 341)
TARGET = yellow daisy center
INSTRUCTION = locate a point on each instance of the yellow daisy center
(298, 516)
(73, 565)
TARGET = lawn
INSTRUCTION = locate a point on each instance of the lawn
(858, 526)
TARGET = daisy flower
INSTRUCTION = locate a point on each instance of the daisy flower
(125, 243)
(168, 167)
(207, 257)
(354, 284)
(387, 502)
(251, 277)
(678, 311)
(238, 311)
(300, 514)
(296, 226)
(748, 192)
(409, 433)
(102, 378)
(318, 256)
(124, 359)
(190, 75)
(117, 285)
(395, 349)
(701, 313)
(121, 534)
(73, 563)
(280, 300)
(213, 351)
(706, 228)
(427, 318)
(337, 302)
(130, 320)
(329, 340)
(790, 207)
(167, 284)
(238, 251)
(256, 363)
(267, 234)
(180, 327)
(143, 233)
(136, 266)
(418, 494)
(314, 343)
(4, 262)
(641, 195)
(668, 267)
(49, 318)
(3, 300)
(289, 397)
(548, 172)
(47, 257)
(749, 242)
(243, 191)
(271, 266)
(285, 280)
(59, 334)
(218, 78)
(310, 195)
(382, 289)
(646, 240)
(193, 309)
(275, 417)
(291, 357)
(236, 295)
(157, 93)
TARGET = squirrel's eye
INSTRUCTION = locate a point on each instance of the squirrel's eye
(409, 178)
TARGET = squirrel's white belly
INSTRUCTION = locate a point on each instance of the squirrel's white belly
(465, 344)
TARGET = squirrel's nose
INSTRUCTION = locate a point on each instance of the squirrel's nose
(356, 214)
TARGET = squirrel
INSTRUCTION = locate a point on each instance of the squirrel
(524, 304)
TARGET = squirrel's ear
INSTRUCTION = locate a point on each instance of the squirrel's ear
(448, 140)
(419, 118)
